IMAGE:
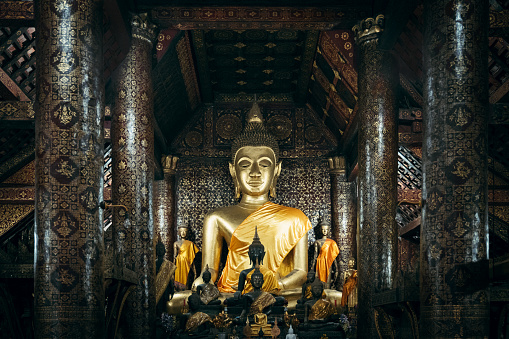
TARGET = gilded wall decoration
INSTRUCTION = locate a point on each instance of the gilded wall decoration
(254, 17)
(298, 132)
(69, 283)
(11, 214)
(454, 226)
(25, 176)
(17, 110)
(185, 57)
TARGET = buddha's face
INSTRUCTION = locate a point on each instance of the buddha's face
(182, 233)
(351, 263)
(206, 276)
(311, 276)
(256, 253)
(257, 280)
(255, 169)
(317, 290)
(325, 230)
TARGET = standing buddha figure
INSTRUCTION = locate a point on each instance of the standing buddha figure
(185, 252)
(326, 254)
(255, 168)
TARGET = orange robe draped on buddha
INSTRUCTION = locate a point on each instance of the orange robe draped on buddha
(279, 227)
(184, 260)
(328, 253)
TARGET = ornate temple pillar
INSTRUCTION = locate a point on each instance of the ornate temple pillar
(454, 231)
(378, 164)
(133, 174)
(68, 281)
(165, 205)
(344, 214)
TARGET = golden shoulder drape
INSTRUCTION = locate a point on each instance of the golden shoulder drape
(328, 253)
(322, 309)
(196, 320)
(279, 228)
(270, 283)
(184, 259)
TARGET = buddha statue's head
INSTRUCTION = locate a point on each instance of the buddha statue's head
(160, 250)
(257, 279)
(311, 276)
(255, 164)
(351, 263)
(194, 302)
(317, 289)
(206, 275)
(256, 250)
(183, 232)
(323, 228)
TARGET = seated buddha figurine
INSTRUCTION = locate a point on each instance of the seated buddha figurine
(209, 294)
(257, 300)
(184, 252)
(255, 168)
(318, 310)
(306, 290)
(197, 322)
(325, 255)
(260, 323)
(256, 253)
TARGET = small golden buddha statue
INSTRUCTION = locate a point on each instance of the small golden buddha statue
(184, 252)
(260, 323)
(255, 168)
(325, 258)
(349, 296)
(208, 292)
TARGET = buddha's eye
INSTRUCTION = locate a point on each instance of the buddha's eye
(244, 164)
(265, 163)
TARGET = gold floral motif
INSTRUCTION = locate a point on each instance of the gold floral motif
(63, 225)
(461, 170)
(65, 169)
(10, 215)
(65, 114)
(435, 252)
(65, 278)
(460, 226)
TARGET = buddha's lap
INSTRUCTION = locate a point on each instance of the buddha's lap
(178, 304)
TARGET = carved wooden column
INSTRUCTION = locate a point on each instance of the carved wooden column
(133, 175)
(378, 164)
(454, 231)
(344, 214)
(68, 290)
(165, 205)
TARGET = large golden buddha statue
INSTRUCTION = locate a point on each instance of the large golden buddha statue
(255, 168)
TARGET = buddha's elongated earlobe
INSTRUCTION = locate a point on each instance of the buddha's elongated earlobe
(235, 181)
(277, 172)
